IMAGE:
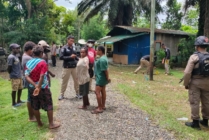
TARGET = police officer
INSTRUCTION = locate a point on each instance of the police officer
(196, 80)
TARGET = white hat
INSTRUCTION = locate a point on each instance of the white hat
(42, 43)
(82, 41)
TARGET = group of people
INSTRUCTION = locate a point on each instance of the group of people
(34, 75)
(83, 70)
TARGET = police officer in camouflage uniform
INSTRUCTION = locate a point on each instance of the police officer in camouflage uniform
(198, 83)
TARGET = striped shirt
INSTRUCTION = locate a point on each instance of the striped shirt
(34, 69)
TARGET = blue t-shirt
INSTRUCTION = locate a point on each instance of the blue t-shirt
(16, 66)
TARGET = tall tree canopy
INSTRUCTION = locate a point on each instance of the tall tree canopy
(203, 22)
(174, 15)
(120, 12)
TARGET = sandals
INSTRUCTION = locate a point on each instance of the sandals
(96, 111)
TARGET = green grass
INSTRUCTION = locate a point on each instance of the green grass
(14, 122)
(164, 99)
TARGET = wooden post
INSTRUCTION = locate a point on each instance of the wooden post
(152, 35)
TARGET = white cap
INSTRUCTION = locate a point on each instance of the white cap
(43, 43)
(82, 41)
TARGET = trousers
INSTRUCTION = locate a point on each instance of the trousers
(65, 78)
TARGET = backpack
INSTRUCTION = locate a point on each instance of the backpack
(203, 65)
(2, 52)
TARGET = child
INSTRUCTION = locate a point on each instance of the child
(36, 75)
(83, 77)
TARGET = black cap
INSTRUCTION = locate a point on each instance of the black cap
(201, 41)
(13, 45)
(91, 40)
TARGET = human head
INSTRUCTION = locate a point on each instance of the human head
(163, 46)
(15, 48)
(44, 45)
(100, 50)
(201, 42)
(70, 40)
(90, 43)
(28, 47)
(38, 51)
(83, 52)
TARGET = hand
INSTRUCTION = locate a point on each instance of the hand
(36, 92)
(109, 80)
(73, 56)
(52, 75)
(186, 87)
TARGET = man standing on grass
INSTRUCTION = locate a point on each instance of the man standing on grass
(166, 59)
(196, 80)
(53, 54)
(41, 97)
(14, 69)
(68, 55)
(28, 47)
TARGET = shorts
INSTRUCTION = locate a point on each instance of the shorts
(42, 101)
(17, 84)
(84, 89)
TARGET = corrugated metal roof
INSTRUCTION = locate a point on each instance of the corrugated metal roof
(117, 38)
(142, 30)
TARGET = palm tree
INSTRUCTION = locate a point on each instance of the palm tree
(120, 12)
(203, 26)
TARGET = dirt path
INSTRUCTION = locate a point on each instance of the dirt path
(121, 120)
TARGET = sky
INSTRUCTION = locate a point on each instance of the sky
(74, 3)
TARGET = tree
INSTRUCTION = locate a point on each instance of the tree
(174, 16)
(120, 12)
(203, 22)
(94, 29)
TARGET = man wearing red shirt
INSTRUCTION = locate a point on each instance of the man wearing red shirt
(91, 56)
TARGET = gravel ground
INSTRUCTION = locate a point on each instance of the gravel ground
(120, 121)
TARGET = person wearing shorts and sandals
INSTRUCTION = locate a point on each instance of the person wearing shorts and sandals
(36, 75)
(102, 79)
(83, 77)
(14, 70)
(28, 52)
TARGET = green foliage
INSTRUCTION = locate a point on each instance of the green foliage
(94, 29)
(120, 12)
(174, 16)
(186, 47)
(189, 29)
(142, 22)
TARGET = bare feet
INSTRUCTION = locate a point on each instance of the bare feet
(32, 119)
(82, 107)
(54, 125)
(96, 111)
(40, 125)
(104, 108)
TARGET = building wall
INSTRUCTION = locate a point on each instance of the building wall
(137, 47)
(171, 41)
(120, 59)
(120, 53)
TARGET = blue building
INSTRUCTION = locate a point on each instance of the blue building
(131, 43)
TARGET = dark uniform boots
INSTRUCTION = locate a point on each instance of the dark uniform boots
(204, 122)
(194, 124)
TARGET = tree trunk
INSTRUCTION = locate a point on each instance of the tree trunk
(206, 26)
(201, 20)
(28, 5)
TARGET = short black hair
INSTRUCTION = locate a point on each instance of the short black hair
(70, 37)
(37, 50)
(85, 48)
(29, 46)
(101, 48)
